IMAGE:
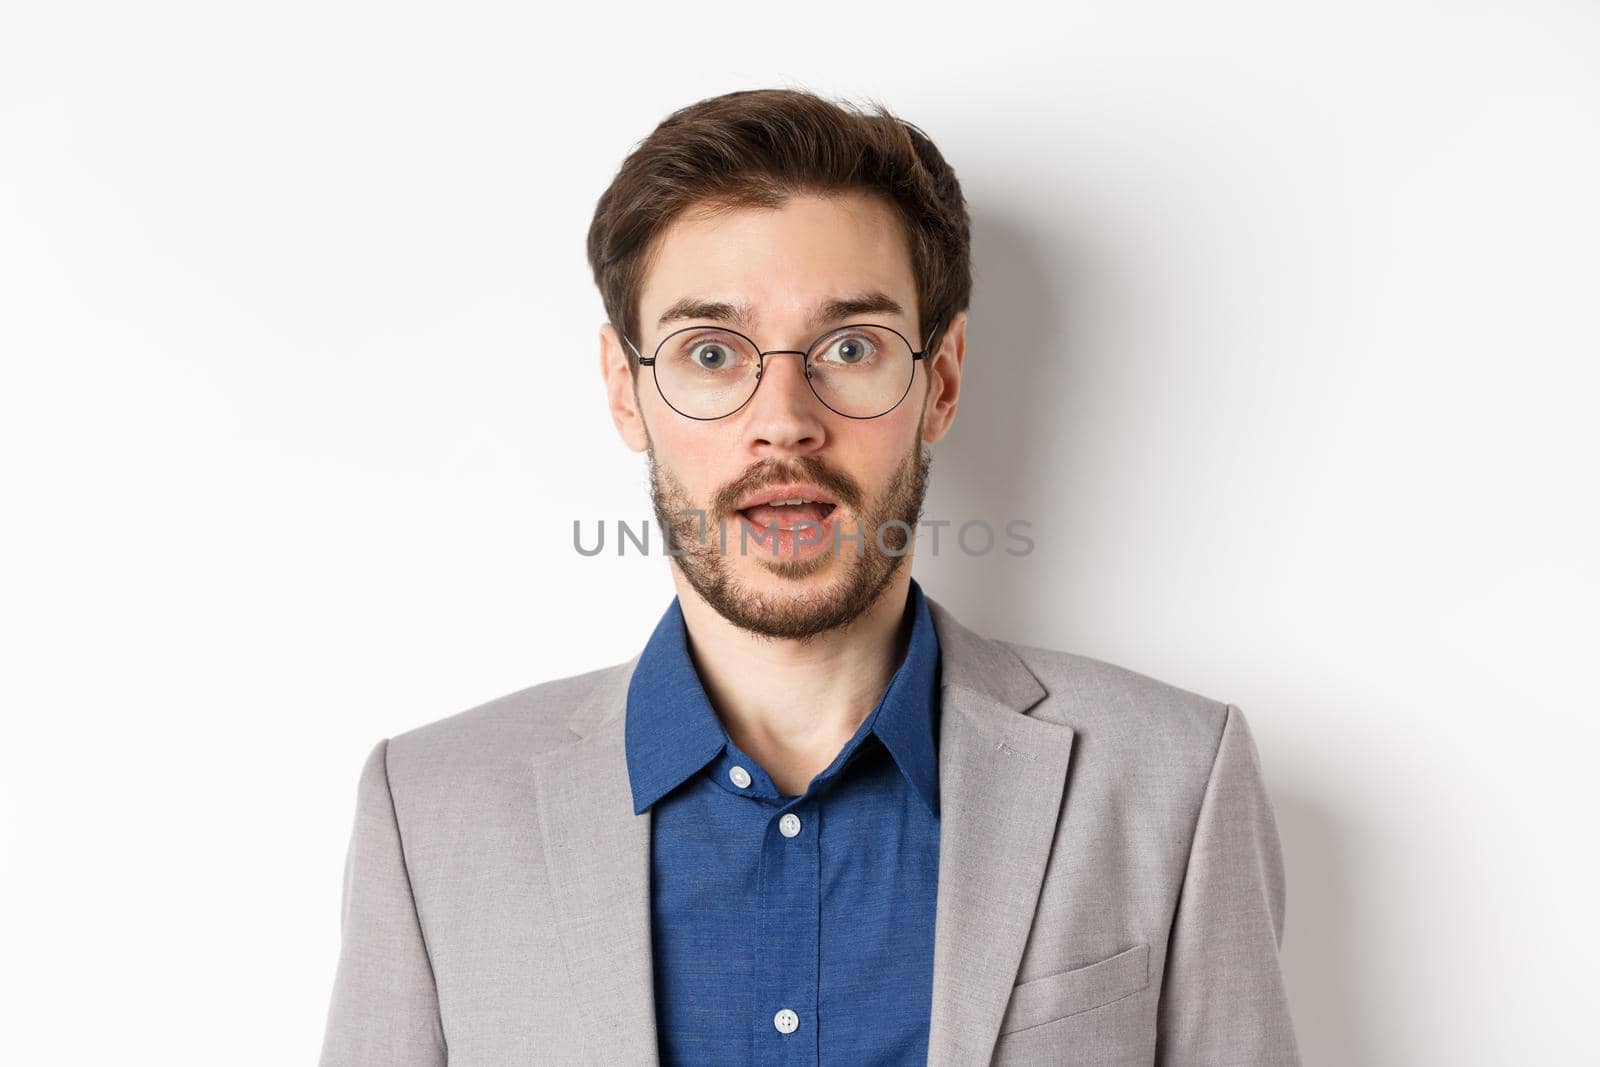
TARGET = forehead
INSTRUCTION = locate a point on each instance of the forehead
(780, 261)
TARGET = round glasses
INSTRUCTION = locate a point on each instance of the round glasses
(860, 371)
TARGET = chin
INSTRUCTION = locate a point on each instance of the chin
(786, 573)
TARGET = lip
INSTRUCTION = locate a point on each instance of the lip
(791, 491)
(780, 543)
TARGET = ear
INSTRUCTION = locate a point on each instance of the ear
(622, 394)
(944, 374)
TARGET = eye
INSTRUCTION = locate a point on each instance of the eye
(850, 350)
(712, 355)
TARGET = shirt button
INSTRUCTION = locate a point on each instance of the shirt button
(740, 776)
(786, 1021)
(789, 825)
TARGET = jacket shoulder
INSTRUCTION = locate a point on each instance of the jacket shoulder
(1116, 707)
(507, 729)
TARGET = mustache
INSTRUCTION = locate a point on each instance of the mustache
(801, 469)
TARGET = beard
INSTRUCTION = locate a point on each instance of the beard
(801, 613)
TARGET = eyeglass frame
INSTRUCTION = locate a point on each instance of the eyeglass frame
(761, 364)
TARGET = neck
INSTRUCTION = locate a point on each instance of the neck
(792, 705)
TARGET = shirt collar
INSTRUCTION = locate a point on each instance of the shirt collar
(672, 731)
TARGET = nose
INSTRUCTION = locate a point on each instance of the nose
(784, 412)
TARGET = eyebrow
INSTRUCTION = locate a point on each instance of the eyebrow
(744, 316)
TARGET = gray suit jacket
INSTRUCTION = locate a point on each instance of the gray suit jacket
(1111, 889)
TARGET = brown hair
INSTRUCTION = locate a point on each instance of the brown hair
(757, 147)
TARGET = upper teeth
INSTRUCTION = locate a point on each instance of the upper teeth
(777, 503)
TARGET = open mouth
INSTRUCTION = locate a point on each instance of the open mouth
(787, 515)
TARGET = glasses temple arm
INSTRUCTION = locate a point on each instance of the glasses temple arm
(636, 353)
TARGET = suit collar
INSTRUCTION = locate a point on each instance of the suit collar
(1001, 780)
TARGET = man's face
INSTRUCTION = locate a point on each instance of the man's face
(782, 265)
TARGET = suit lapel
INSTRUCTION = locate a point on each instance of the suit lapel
(1001, 778)
(1002, 774)
(598, 855)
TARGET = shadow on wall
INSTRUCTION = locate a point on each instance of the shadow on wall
(1041, 319)
(995, 464)
(1321, 969)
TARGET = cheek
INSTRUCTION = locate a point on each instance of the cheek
(875, 452)
(697, 458)
(888, 439)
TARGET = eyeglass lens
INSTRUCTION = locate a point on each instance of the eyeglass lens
(862, 371)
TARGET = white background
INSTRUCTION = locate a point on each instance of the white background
(1283, 338)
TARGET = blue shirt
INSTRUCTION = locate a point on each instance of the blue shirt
(789, 930)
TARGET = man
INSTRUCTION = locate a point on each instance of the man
(816, 819)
